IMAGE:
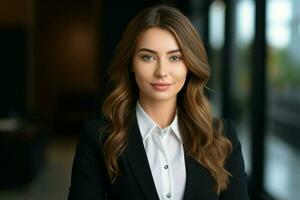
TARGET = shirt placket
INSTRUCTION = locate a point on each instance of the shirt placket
(165, 164)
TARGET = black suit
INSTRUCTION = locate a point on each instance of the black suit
(90, 179)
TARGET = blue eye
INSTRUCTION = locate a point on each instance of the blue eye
(147, 58)
(175, 58)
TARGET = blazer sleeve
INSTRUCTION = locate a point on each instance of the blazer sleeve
(237, 189)
(88, 172)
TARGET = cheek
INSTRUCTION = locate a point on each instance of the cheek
(181, 73)
(141, 77)
(136, 71)
(142, 72)
(137, 78)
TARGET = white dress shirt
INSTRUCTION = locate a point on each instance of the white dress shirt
(165, 155)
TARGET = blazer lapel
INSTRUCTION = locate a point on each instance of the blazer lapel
(188, 182)
(137, 158)
(199, 182)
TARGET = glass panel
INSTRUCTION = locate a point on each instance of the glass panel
(282, 178)
(216, 42)
(240, 83)
(241, 75)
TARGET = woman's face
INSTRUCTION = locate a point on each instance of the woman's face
(159, 69)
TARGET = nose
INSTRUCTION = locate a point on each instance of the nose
(161, 69)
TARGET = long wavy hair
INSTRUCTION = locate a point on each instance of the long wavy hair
(202, 135)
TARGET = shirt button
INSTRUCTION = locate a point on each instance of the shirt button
(169, 195)
(166, 166)
(165, 131)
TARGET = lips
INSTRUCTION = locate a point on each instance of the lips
(161, 86)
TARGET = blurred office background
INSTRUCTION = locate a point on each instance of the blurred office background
(53, 60)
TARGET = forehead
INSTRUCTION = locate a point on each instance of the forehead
(157, 39)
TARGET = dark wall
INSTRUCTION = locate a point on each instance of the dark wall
(12, 72)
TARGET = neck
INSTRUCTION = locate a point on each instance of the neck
(162, 112)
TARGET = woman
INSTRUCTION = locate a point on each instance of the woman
(156, 138)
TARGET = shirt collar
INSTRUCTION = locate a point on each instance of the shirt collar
(147, 125)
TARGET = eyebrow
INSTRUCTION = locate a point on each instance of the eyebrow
(154, 52)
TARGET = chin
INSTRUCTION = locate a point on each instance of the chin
(163, 97)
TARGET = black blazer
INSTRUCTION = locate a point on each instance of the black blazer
(90, 178)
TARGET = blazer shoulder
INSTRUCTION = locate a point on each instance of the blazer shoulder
(93, 130)
(230, 132)
(89, 178)
(228, 127)
(235, 165)
(92, 127)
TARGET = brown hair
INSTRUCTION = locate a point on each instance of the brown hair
(202, 136)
